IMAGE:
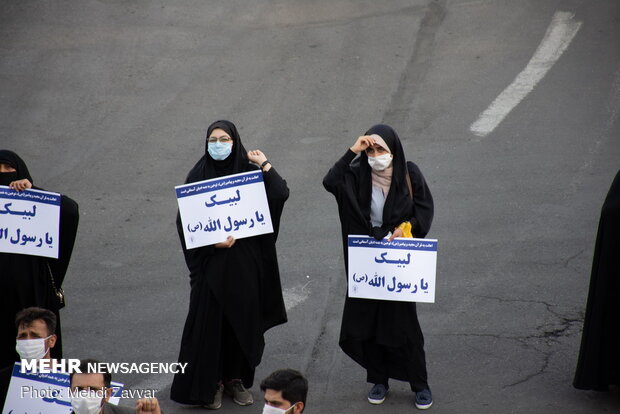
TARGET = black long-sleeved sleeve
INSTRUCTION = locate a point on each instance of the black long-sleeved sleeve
(423, 204)
(277, 194)
(335, 177)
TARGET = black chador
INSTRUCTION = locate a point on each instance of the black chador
(235, 292)
(382, 336)
(30, 280)
(598, 365)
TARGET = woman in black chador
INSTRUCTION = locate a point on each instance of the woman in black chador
(598, 365)
(235, 287)
(26, 280)
(376, 193)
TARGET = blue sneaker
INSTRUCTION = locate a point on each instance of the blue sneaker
(423, 399)
(377, 394)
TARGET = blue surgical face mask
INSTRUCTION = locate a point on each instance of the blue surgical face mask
(218, 150)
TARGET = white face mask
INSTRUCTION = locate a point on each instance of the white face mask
(380, 162)
(87, 404)
(268, 409)
(31, 348)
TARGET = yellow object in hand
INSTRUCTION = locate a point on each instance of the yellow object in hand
(406, 228)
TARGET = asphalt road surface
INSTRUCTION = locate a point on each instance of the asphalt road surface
(108, 101)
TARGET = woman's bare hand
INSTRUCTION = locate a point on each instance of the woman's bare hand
(362, 143)
(21, 185)
(227, 244)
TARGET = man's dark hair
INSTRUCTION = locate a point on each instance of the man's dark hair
(107, 377)
(291, 383)
(25, 317)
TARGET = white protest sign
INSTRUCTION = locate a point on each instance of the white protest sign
(43, 393)
(234, 205)
(29, 222)
(401, 270)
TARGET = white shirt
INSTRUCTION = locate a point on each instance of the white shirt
(377, 202)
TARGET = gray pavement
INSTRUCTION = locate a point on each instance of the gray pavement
(108, 101)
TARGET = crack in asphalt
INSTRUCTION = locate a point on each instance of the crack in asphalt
(550, 332)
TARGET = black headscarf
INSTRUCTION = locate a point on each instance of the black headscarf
(236, 162)
(15, 161)
(398, 204)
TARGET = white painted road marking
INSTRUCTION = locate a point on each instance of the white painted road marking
(560, 33)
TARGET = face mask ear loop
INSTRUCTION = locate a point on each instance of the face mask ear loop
(47, 349)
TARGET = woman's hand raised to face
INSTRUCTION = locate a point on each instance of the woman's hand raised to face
(362, 143)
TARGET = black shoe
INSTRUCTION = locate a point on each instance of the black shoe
(423, 399)
(377, 393)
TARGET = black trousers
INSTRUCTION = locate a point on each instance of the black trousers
(232, 363)
(380, 358)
